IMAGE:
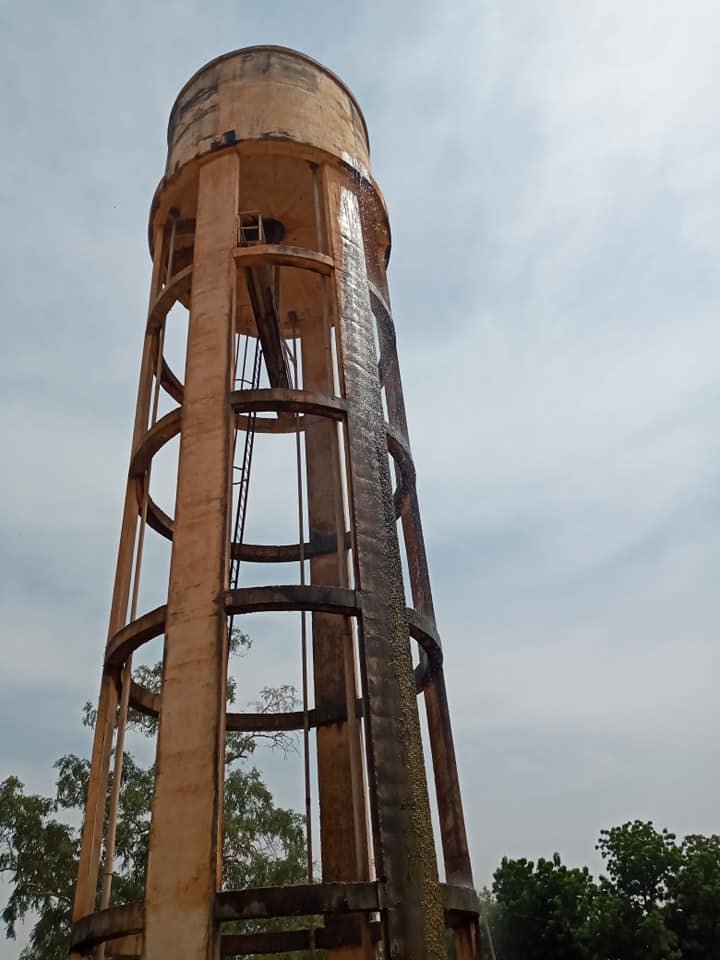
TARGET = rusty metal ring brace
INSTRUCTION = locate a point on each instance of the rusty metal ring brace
(177, 290)
(289, 597)
(334, 899)
(310, 404)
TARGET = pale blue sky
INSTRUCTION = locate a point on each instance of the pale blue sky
(552, 172)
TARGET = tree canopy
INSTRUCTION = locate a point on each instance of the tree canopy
(40, 836)
(659, 899)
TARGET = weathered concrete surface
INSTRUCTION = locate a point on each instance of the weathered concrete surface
(261, 94)
(183, 866)
(404, 848)
(342, 792)
(456, 857)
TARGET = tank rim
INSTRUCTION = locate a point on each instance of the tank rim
(269, 48)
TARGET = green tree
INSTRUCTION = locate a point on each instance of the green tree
(640, 862)
(693, 911)
(631, 910)
(659, 900)
(39, 858)
(540, 911)
(40, 838)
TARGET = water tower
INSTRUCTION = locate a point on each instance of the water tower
(269, 228)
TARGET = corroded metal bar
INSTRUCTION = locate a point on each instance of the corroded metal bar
(108, 924)
(134, 635)
(147, 702)
(320, 545)
(261, 903)
(157, 436)
(177, 289)
(343, 934)
(287, 401)
(293, 597)
(300, 900)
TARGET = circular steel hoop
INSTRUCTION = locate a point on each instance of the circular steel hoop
(134, 635)
(288, 597)
(260, 903)
(422, 628)
(281, 400)
(265, 902)
(277, 254)
(159, 520)
(381, 308)
(177, 289)
(148, 702)
(399, 450)
(298, 900)
(171, 383)
(306, 899)
(109, 924)
(305, 402)
(293, 720)
(278, 400)
(310, 597)
(179, 286)
(156, 437)
(319, 546)
(343, 933)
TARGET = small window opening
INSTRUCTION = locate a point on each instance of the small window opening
(253, 229)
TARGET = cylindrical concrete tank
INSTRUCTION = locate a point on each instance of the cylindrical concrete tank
(263, 94)
(268, 229)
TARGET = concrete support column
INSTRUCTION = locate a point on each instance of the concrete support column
(339, 756)
(183, 863)
(403, 839)
(92, 835)
(456, 857)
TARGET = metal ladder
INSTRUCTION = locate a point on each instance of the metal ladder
(241, 471)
